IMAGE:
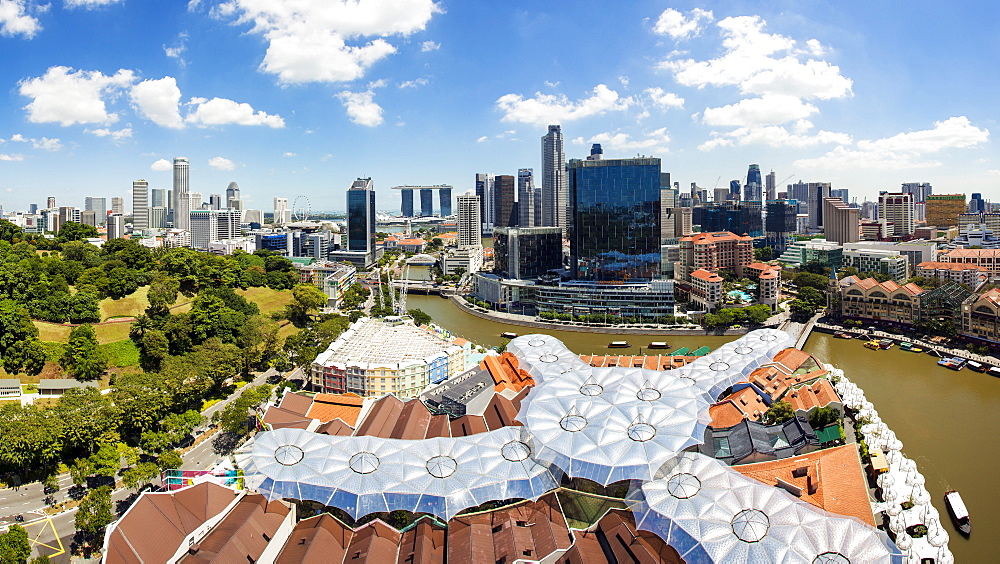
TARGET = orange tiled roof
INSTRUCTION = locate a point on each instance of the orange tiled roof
(506, 375)
(651, 362)
(818, 394)
(706, 275)
(955, 266)
(712, 237)
(840, 467)
(777, 377)
(327, 407)
(725, 414)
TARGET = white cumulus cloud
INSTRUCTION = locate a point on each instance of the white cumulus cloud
(308, 39)
(361, 107)
(159, 101)
(904, 150)
(115, 135)
(774, 136)
(762, 63)
(427, 46)
(161, 165)
(664, 99)
(15, 20)
(413, 83)
(6, 157)
(221, 163)
(653, 141)
(89, 4)
(65, 96)
(221, 111)
(767, 110)
(44, 143)
(677, 25)
(557, 108)
(289, 154)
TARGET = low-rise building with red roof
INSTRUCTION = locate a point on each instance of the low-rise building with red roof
(887, 302)
(981, 317)
(820, 393)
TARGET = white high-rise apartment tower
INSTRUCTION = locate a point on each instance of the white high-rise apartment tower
(182, 208)
(140, 205)
(896, 208)
(469, 223)
(281, 212)
(554, 185)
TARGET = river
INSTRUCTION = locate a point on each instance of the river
(941, 416)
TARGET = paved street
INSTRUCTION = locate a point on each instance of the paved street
(52, 535)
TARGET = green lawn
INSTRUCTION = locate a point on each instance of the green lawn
(583, 510)
(267, 300)
(129, 306)
(121, 353)
(106, 333)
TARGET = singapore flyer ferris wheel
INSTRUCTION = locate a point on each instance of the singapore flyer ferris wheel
(301, 209)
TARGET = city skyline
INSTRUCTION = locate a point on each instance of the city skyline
(851, 95)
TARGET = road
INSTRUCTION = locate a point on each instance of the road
(48, 532)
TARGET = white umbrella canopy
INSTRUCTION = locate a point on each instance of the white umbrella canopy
(944, 556)
(904, 541)
(894, 509)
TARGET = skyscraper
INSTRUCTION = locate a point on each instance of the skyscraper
(815, 193)
(97, 205)
(976, 203)
(215, 201)
(734, 189)
(182, 210)
(157, 198)
(213, 225)
(140, 205)
(361, 216)
(920, 190)
(896, 208)
(752, 192)
(117, 206)
(50, 202)
(407, 203)
(444, 200)
(840, 221)
(780, 223)
(484, 189)
(282, 214)
(503, 201)
(116, 226)
(770, 186)
(469, 222)
(554, 184)
(525, 197)
(615, 219)
(426, 202)
(943, 209)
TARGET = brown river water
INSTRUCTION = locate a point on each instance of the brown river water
(941, 416)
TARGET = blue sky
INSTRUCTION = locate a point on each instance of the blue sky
(299, 97)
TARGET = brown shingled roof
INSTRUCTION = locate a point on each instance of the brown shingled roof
(381, 418)
(528, 531)
(820, 393)
(280, 418)
(317, 540)
(243, 534)
(831, 479)
(706, 275)
(173, 515)
(296, 403)
(468, 425)
(631, 545)
(422, 544)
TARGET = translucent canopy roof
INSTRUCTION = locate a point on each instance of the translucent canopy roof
(623, 423)
(365, 474)
(710, 513)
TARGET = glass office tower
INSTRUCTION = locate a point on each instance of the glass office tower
(361, 216)
(615, 219)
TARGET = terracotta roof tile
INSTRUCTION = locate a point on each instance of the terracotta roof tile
(243, 534)
(327, 407)
(528, 530)
(832, 479)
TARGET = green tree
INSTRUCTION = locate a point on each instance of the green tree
(140, 475)
(419, 317)
(80, 470)
(73, 231)
(94, 514)
(107, 461)
(779, 412)
(169, 460)
(14, 545)
(122, 281)
(809, 279)
(763, 254)
(307, 298)
(823, 416)
(816, 268)
(83, 359)
(234, 417)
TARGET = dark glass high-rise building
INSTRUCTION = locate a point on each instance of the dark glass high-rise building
(361, 216)
(526, 252)
(739, 218)
(504, 188)
(444, 200)
(753, 191)
(407, 207)
(734, 187)
(614, 206)
(780, 223)
(426, 202)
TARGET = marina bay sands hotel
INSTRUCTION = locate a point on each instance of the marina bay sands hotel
(426, 199)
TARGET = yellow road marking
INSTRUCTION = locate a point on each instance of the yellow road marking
(60, 549)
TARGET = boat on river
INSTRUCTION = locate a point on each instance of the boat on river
(910, 347)
(976, 366)
(842, 335)
(873, 345)
(508, 335)
(659, 345)
(994, 371)
(959, 514)
(885, 344)
(952, 363)
(618, 345)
